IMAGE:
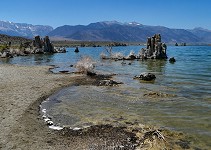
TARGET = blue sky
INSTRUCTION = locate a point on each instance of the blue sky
(185, 14)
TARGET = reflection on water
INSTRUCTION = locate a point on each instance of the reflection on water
(179, 99)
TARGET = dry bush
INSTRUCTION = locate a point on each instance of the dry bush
(86, 64)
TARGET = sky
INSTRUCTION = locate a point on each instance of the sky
(180, 14)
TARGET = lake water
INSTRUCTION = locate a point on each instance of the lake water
(183, 102)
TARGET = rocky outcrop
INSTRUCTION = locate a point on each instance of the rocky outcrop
(155, 48)
(6, 54)
(37, 42)
(37, 46)
(48, 46)
(41, 46)
(145, 76)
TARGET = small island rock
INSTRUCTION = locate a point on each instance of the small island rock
(146, 76)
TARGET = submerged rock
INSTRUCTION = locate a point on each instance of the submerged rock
(108, 83)
(145, 76)
(158, 95)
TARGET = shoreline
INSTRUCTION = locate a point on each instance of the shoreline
(22, 126)
(23, 88)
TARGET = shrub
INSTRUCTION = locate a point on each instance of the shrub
(86, 64)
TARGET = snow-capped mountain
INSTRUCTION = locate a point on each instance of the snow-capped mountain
(23, 29)
(128, 32)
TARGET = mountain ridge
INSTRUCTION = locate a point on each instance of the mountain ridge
(108, 31)
(130, 32)
(23, 29)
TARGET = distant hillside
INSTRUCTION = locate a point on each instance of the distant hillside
(129, 32)
(203, 34)
(4, 39)
(23, 29)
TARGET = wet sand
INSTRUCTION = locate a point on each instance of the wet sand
(22, 127)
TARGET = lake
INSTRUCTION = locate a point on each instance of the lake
(179, 99)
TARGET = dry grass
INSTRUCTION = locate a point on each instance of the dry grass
(86, 64)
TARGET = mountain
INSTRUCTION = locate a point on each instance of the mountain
(130, 32)
(108, 31)
(203, 34)
(23, 29)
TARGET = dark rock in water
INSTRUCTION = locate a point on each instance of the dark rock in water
(130, 57)
(89, 73)
(108, 83)
(145, 76)
(172, 60)
(76, 50)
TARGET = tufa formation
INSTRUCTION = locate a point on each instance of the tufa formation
(155, 48)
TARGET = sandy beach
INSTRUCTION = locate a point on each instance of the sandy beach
(22, 90)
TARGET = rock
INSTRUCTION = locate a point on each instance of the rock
(76, 50)
(130, 57)
(6, 54)
(37, 42)
(27, 51)
(146, 76)
(60, 50)
(158, 94)
(40, 46)
(48, 46)
(172, 60)
(108, 83)
(155, 48)
(89, 73)
(39, 51)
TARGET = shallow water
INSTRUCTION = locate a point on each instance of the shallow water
(183, 103)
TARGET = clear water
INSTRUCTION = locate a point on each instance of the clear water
(185, 87)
